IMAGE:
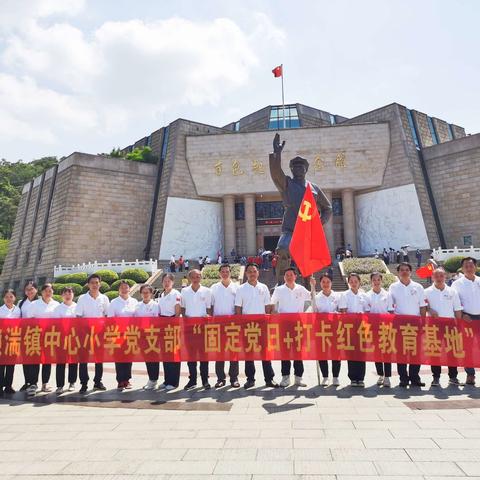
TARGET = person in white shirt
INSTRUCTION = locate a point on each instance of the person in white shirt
(66, 310)
(379, 302)
(196, 301)
(8, 310)
(169, 305)
(253, 297)
(443, 301)
(468, 289)
(92, 304)
(30, 291)
(123, 306)
(407, 298)
(326, 301)
(43, 307)
(290, 298)
(354, 300)
(223, 303)
(148, 307)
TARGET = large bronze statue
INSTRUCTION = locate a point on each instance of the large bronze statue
(292, 191)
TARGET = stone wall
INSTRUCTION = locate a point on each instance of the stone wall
(452, 169)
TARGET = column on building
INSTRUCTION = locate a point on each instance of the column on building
(328, 227)
(250, 223)
(349, 227)
(229, 224)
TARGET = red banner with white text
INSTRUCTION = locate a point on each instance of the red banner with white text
(307, 336)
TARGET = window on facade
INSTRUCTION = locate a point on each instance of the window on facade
(269, 210)
(467, 241)
(337, 207)
(413, 128)
(239, 211)
(451, 136)
(332, 119)
(276, 117)
(433, 132)
(237, 126)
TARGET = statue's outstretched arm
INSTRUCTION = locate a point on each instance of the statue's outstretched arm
(275, 161)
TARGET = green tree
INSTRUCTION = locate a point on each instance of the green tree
(3, 252)
(142, 155)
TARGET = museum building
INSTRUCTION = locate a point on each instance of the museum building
(395, 176)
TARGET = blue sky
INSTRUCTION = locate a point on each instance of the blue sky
(80, 75)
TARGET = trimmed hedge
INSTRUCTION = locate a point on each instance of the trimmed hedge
(111, 294)
(136, 274)
(388, 279)
(108, 276)
(80, 278)
(453, 264)
(115, 285)
(363, 265)
(211, 272)
(104, 287)
(58, 287)
(58, 298)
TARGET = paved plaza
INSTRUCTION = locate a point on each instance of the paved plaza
(294, 433)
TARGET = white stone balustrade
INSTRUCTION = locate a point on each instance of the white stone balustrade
(442, 254)
(149, 266)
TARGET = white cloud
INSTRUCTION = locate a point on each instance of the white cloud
(121, 72)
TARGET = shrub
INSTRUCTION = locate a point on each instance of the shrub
(111, 294)
(136, 274)
(58, 287)
(108, 276)
(115, 285)
(211, 271)
(58, 298)
(453, 264)
(388, 279)
(80, 278)
(363, 265)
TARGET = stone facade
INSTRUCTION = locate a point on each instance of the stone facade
(452, 169)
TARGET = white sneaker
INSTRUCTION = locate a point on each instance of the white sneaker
(71, 387)
(32, 390)
(386, 382)
(285, 381)
(380, 380)
(335, 382)
(169, 387)
(59, 390)
(46, 388)
(299, 382)
(151, 384)
(324, 382)
(162, 386)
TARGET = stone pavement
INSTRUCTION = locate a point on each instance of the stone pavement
(263, 434)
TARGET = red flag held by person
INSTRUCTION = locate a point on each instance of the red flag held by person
(309, 247)
(425, 271)
(277, 71)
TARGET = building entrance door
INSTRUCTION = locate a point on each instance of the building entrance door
(270, 242)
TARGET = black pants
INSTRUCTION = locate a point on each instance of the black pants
(437, 370)
(32, 372)
(60, 374)
(153, 370)
(192, 370)
(335, 368)
(470, 370)
(356, 371)
(123, 371)
(413, 374)
(297, 367)
(233, 371)
(6, 375)
(83, 373)
(383, 369)
(171, 373)
(268, 372)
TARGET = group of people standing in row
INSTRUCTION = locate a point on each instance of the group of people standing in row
(404, 297)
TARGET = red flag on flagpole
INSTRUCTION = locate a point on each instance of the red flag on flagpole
(309, 247)
(426, 271)
(277, 71)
